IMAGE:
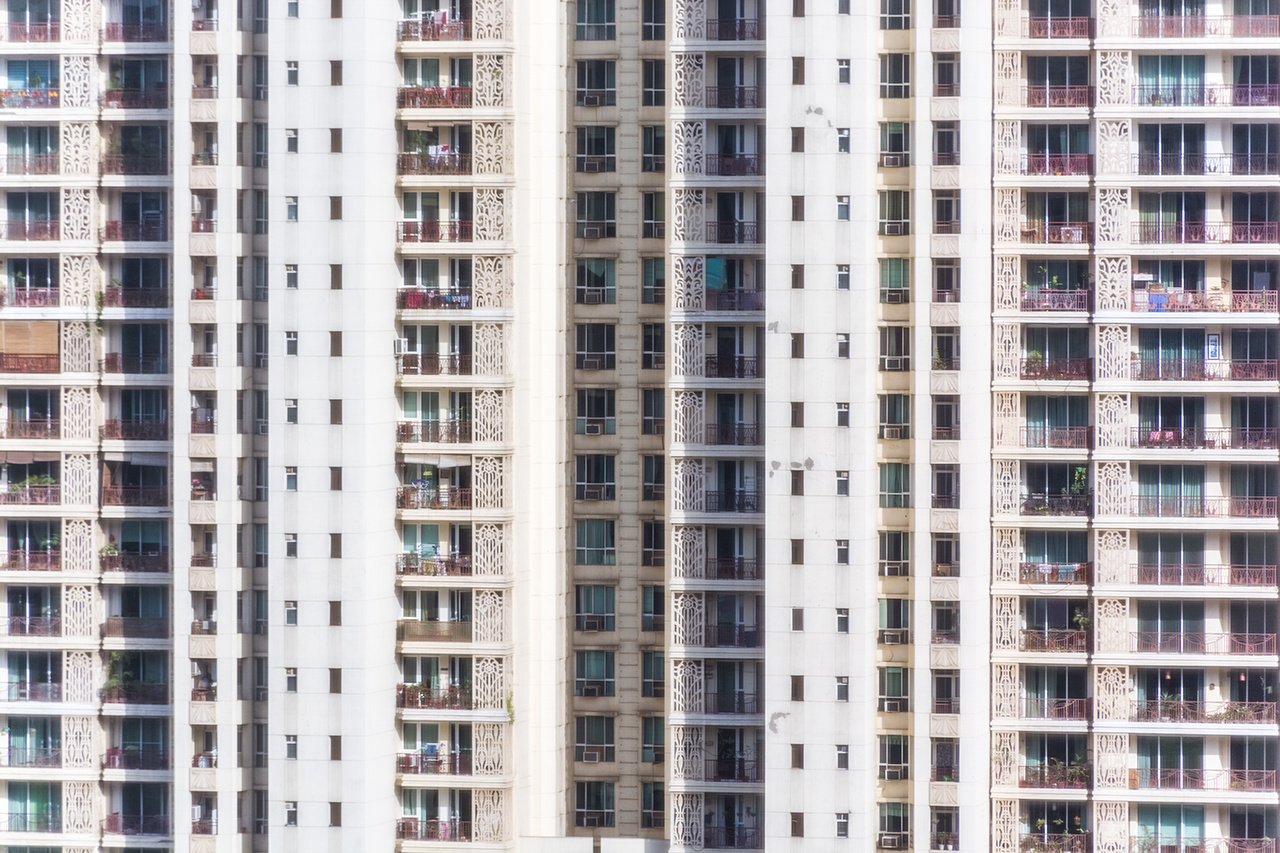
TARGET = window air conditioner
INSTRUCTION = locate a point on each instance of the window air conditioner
(592, 364)
(591, 820)
(591, 100)
(659, 755)
(894, 706)
(591, 691)
(592, 296)
(591, 756)
(893, 774)
(592, 165)
(895, 297)
(589, 233)
(401, 346)
(890, 161)
(594, 429)
(889, 840)
(894, 229)
(891, 362)
(593, 623)
(891, 432)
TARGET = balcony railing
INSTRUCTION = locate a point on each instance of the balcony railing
(48, 757)
(433, 164)
(732, 702)
(416, 630)
(135, 562)
(1071, 437)
(29, 429)
(734, 300)
(732, 636)
(136, 693)
(30, 297)
(1149, 844)
(1213, 438)
(1057, 28)
(1040, 708)
(1057, 96)
(734, 29)
(136, 824)
(445, 764)
(421, 299)
(29, 98)
(1191, 575)
(412, 497)
(1228, 95)
(733, 232)
(1238, 369)
(737, 435)
(1053, 640)
(734, 500)
(1201, 643)
(1159, 506)
(41, 495)
(1057, 232)
(1199, 26)
(1042, 842)
(1060, 776)
(32, 822)
(135, 430)
(734, 97)
(32, 164)
(24, 363)
(733, 769)
(435, 364)
(431, 97)
(734, 568)
(1054, 368)
(135, 297)
(1178, 711)
(135, 32)
(129, 164)
(432, 29)
(435, 232)
(135, 232)
(33, 626)
(1056, 573)
(734, 367)
(34, 691)
(438, 432)
(135, 496)
(427, 566)
(733, 165)
(32, 561)
(1054, 300)
(137, 628)
(1202, 780)
(1045, 504)
(32, 33)
(155, 98)
(37, 229)
(134, 758)
(1183, 163)
(1234, 302)
(1179, 232)
(732, 838)
(433, 698)
(417, 829)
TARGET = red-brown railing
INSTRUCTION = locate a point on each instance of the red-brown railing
(136, 32)
(416, 299)
(1054, 776)
(412, 497)
(435, 232)
(1202, 780)
(135, 297)
(1213, 438)
(18, 32)
(734, 29)
(135, 430)
(417, 630)
(1200, 370)
(1054, 300)
(441, 432)
(135, 232)
(1070, 437)
(430, 97)
(1052, 842)
(155, 98)
(1057, 96)
(136, 693)
(36, 428)
(1178, 711)
(24, 363)
(734, 97)
(434, 364)
(1191, 575)
(734, 367)
(1057, 232)
(1176, 232)
(1202, 643)
(134, 824)
(1047, 504)
(1057, 28)
(31, 164)
(433, 164)
(1233, 302)
(443, 764)
(137, 628)
(733, 165)
(1157, 506)
(1056, 368)
(36, 229)
(1053, 640)
(417, 564)
(1198, 26)
(1232, 95)
(732, 636)
(735, 435)
(32, 561)
(733, 769)
(430, 29)
(732, 702)
(418, 829)
(131, 758)
(130, 164)
(135, 495)
(135, 562)
(40, 495)
(733, 232)
(734, 568)
(445, 698)
(33, 626)
(1054, 572)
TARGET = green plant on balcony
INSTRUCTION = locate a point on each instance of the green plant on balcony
(109, 550)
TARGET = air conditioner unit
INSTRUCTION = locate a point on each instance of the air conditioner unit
(262, 427)
(893, 774)
(591, 691)
(593, 429)
(894, 229)
(592, 364)
(891, 432)
(592, 165)
(589, 233)
(893, 636)
(593, 623)
(895, 297)
(889, 840)
(891, 362)
(592, 296)
(400, 346)
(591, 820)
(891, 161)
(591, 100)
(894, 706)
(591, 756)
(659, 755)
(593, 493)
(260, 361)
(261, 694)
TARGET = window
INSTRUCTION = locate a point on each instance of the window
(653, 414)
(260, 65)
(291, 544)
(797, 824)
(946, 74)
(797, 140)
(895, 825)
(594, 673)
(842, 277)
(797, 344)
(842, 71)
(291, 8)
(797, 552)
(595, 739)
(335, 276)
(654, 80)
(797, 688)
(335, 344)
(595, 543)
(653, 734)
(797, 8)
(946, 348)
(895, 348)
(596, 149)
(946, 622)
(653, 157)
(597, 217)
(653, 484)
(335, 8)
(595, 412)
(797, 483)
(895, 485)
(797, 619)
(842, 821)
(291, 208)
(335, 72)
(842, 208)
(335, 411)
(797, 415)
(290, 812)
(842, 414)
(653, 608)
(652, 809)
(842, 345)
(596, 86)
(595, 805)
(653, 674)
(335, 747)
(596, 346)
(335, 680)
(291, 73)
(652, 543)
(842, 483)
(895, 621)
(596, 20)
(895, 14)
(291, 679)
(797, 276)
(894, 684)
(946, 211)
(946, 143)
(335, 613)
(842, 688)
(842, 140)
(946, 280)
(653, 285)
(946, 14)
(842, 620)
(895, 144)
(894, 757)
(290, 343)
(335, 140)
(595, 608)
(895, 212)
(895, 75)
(653, 20)
(596, 281)
(842, 552)
(797, 208)
(291, 613)
(335, 207)
(595, 478)
(895, 553)
(895, 416)
(842, 756)
(895, 281)
(291, 140)
(335, 814)
(291, 276)
(335, 479)
(654, 225)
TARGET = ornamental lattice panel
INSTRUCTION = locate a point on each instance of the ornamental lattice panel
(77, 546)
(1007, 419)
(1004, 758)
(1113, 353)
(1111, 761)
(490, 419)
(78, 678)
(1008, 78)
(77, 214)
(491, 281)
(688, 551)
(1005, 691)
(1111, 418)
(1111, 693)
(1006, 219)
(77, 413)
(77, 808)
(689, 482)
(690, 19)
(1111, 557)
(77, 279)
(78, 612)
(489, 817)
(688, 82)
(686, 753)
(688, 416)
(1004, 826)
(78, 78)
(1111, 626)
(1008, 19)
(490, 214)
(489, 749)
(688, 615)
(490, 349)
(1115, 72)
(1112, 488)
(77, 348)
(1006, 554)
(78, 486)
(1113, 215)
(686, 820)
(1008, 153)
(687, 693)
(1114, 136)
(1005, 620)
(1110, 827)
(76, 155)
(689, 274)
(491, 148)
(1005, 487)
(78, 752)
(489, 680)
(689, 216)
(688, 350)
(489, 85)
(78, 24)
(1007, 273)
(688, 147)
(489, 558)
(489, 479)
(1007, 343)
(490, 616)
(1112, 278)
(1113, 18)
(490, 20)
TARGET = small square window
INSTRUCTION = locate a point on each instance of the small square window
(797, 688)
(335, 814)
(335, 140)
(335, 411)
(842, 552)
(842, 208)
(291, 276)
(797, 415)
(335, 545)
(335, 479)
(291, 478)
(335, 276)
(291, 208)
(797, 140)
(335, 613)
(291, 613)
(842, 140)
(291, 73)
(842, 414)
(842, 756)
(797, 824)
(291, 140)
(797, 619)
(842, 345)
(842, 688)
(842, 483)
(335, 72)
(842, 821)
(842, 277)
(797, 70)
(290, 812)
(797, 208)
(290, 411)
(843, 7)
(335, 747)
(797, 344)
(797, 276)
(335, 344)
(291, 544)
(797, 756)
(335, 207)
(291, 9)
(290, 746)
(842, 70)
(797, 552)
(335, 680)
(290, 343)
(290, 679)
(797, 484)
(842, 620)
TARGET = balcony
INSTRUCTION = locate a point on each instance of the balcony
(433, 27)
(734, 97)
(1057, 96)
(732, 702)
(26, 99)
(136, 628)
(1178, 711)
(1057, 28)
(732, 637)
(435, 232)
(445, 764)
(151, 32)
(1076, 842)
(38, 495)
(156, 98)
(1051, 505)
(1040, 708)
(417, 829)
(136, 693)
(33, 164)
(733, 165)
(39, 229)
(437, 631)
(1184, 163)
(135, 232)
(135, 297)
(1227, 95)
(1244, 232)
(732, 838)
(734, 367)
(1234, 302)
(420, 697)
(24, 363)
(129, 164)
(20, 33)
(1055, 573)
(1057, 776)
(1073, 233)
(733, 769)
(1196, 438)
(1199, 26)
(34, 691)
(136, 824)
(1157, 506)
(412, 497)
(1202, 780)
(737, 500)
(32, 297)
(1053, 640)
(1199, 370)
(734, 568)
(1056, 369)
(433, 300)
(1066, 437)
(50, 757)
(734, 300)
(733, 232)
(1201, 643)
(1054, 300)
(32, 561)
(1191, 575)
(433, 164)
(117, 430)
(733, 435)
(734, 29)
(117, 562)
(435, 432)
(135, 758)
(33, 626)
(895, 569)
(135, 496)
(31, 823)
(427, 566)
(433, 97)
(29, 429)
(434, 364)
